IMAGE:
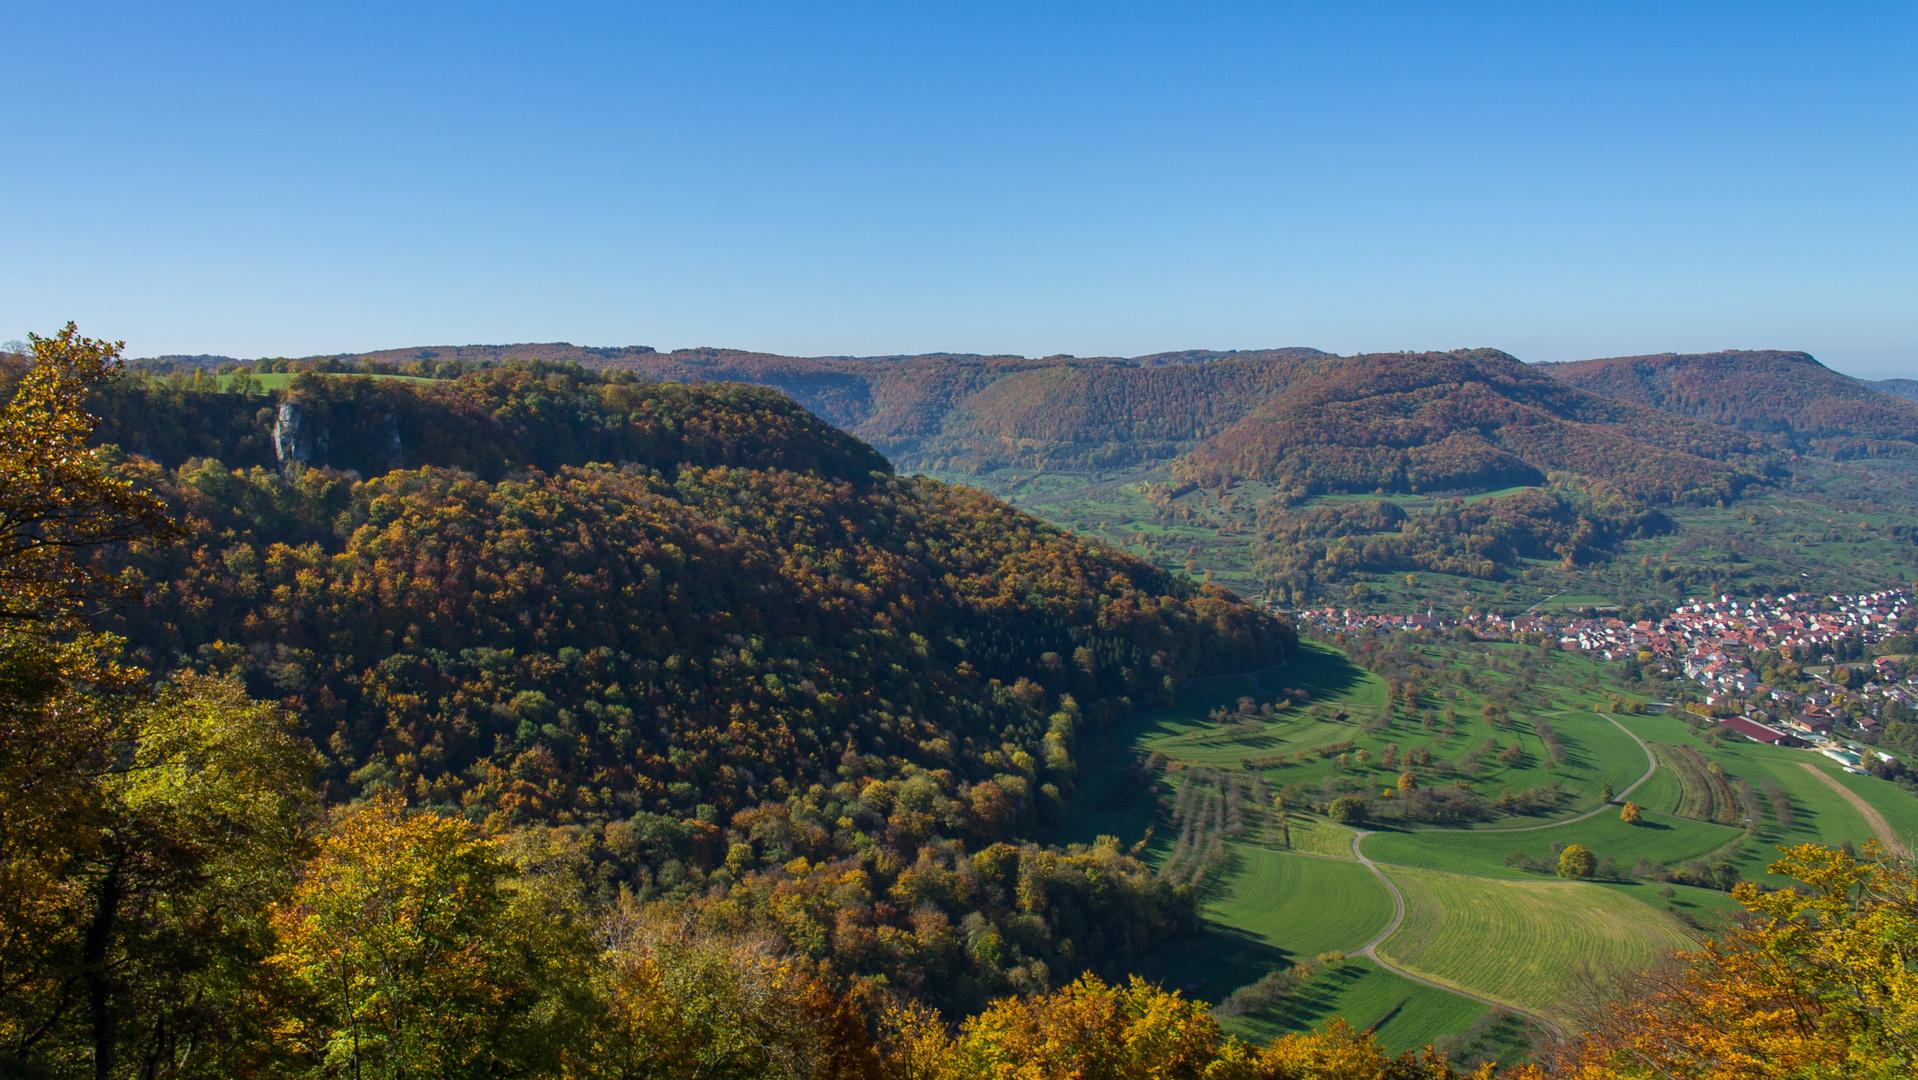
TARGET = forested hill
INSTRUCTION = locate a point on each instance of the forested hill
(694, 624)
(1786, 395)
(1904, 388)
(486, 422)
(947, 411)
(1467, 420)
(754, 582)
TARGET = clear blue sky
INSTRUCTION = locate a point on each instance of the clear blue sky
(1558, 180)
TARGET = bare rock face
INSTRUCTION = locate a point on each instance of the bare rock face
(290, 441)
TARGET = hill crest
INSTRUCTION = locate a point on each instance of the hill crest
(1787, 396)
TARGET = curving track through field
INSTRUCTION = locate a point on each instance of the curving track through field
(1370, 949)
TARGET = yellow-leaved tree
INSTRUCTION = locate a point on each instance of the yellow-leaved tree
(685, 1000)
(143, 827)
(1094, 1031)
(1822, 981)
(407, 951)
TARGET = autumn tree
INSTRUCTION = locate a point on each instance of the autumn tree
(1822, 980)
(406, 951)
(1137, 1031)
(680, 999)
(1629, 813)
(1577, 862)
(58, 500)
(143, 829)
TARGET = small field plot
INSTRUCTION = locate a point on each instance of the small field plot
(1529, 944)
(1656, 839)
(1300, 905)
(280, 380)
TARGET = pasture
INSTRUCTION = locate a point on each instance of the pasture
(1346, 735)
(1792, 805)
(1536, 945)
(1298, 904)
(1315, 836)
(1655, 838)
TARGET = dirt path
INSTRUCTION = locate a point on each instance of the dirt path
(1371, 948)
(1869, 812)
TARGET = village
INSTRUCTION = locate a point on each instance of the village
(1789, 671)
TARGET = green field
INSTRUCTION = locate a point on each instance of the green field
(1508, 934)
(1536, 945)
(280, 380)
(1820, 815)
(1320, 837)
(1299, 904)
(1402, 1014)
(1596, 752)
(1656, 838)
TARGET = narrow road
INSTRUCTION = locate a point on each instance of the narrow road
(1869, 812)
(1371, 948)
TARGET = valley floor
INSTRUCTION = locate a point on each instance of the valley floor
(1488, 952)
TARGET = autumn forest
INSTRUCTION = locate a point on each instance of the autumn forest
(487, 717)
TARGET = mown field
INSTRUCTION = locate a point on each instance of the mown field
(1301, 904)
(1810, 811)
(280, 380)
(1298, 748)
(1656, 838)
(1536, 945)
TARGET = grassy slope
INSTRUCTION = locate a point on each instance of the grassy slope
(1658, 838)
(1300, 904)
(1531, 944)
(1822, 815)
(1403, 1014)
(1320, 837)
(1269, 909)
(1597, 752)
(280, 380)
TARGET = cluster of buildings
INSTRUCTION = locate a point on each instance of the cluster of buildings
(1712, 642)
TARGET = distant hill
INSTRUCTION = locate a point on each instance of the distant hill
(1788, 396)
(1472, 419)
(1904, 388)
(942, 411)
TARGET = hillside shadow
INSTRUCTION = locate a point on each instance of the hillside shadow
(1214, 962)
(1319, 670)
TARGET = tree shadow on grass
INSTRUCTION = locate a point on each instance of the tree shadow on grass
(1319, 999)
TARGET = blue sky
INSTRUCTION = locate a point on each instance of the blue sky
(1557, 180)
